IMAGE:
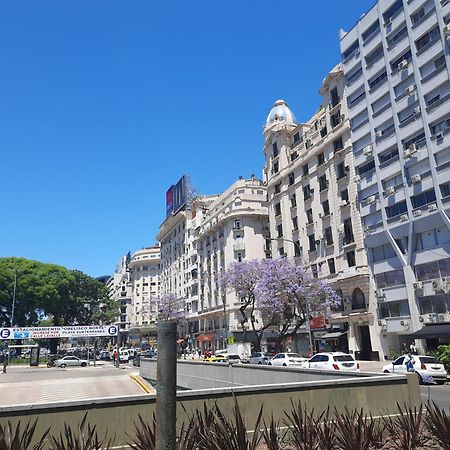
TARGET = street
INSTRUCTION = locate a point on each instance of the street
(25, 385)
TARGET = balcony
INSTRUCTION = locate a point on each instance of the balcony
(239, 245)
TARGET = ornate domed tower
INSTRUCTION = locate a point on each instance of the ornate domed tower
(277, 129)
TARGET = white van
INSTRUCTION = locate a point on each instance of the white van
(124, 356)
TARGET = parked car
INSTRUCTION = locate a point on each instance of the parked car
(221, 359)
(424, 366)
(125, 356)
(221, 352)
(70, 361)
(233, 358)
(258, 358)
(105, 355)
(288, 359)
(333, 361)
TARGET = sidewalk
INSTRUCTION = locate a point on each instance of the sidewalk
(372, 366)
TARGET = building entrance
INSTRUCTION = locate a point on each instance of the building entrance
(365, 344)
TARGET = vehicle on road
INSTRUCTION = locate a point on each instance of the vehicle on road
(233, 358)
(125, 356)
(333, 361)
(221, 352)
(258, 358)
(105, 355)
(288, 359)
(221, 359)
(70, 361)
(424, 366)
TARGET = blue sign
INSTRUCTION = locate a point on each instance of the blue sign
(21, 334)
(112, 331)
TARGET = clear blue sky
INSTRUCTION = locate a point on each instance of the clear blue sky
(104, 104)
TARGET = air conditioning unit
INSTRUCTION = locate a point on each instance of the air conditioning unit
(404, 217)
(412, 148)
(358, 179)
(416, 110)
(446, 30)
(390, 190)
(371, 199)
(402, 64)
(439, 136)
(417, 285)
(320, 215)
(368, 150)
(432, 207)
(441, 318)
(417, 213)
(410, 90)
(438, 286)
(367, 230)
(379, 293)
(406, 153)
(378, 134)
(416, 178)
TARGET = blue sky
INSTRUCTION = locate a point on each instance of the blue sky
(105, 104)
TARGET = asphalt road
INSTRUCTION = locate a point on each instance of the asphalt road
(26, 385)
(439, 394)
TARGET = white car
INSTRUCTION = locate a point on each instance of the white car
(288, 359)
(70, 361)
(233, 358)
(258, 358)
(125, 356)
(424, 366)
(333, 361)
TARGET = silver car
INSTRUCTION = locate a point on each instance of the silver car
(70, 361)
(258, 358)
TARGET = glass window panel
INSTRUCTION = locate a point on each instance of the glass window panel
(425, 305)
(379, 279)
(432, 270)
(444, 267)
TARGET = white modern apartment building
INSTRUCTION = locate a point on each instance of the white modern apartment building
(396, 62)
(314, 214)
(200, 240)
(135, 286)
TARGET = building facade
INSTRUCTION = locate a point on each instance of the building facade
(314, 214)
(396, 62)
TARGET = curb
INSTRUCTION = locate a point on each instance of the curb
(142, 384)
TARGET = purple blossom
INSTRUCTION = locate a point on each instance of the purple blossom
(170, 307)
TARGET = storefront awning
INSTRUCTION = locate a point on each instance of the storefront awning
(432, 331)
(205, 338)
(334, 335)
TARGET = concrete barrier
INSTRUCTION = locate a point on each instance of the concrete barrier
(377, 394)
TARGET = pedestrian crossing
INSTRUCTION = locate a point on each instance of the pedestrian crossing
(62, 392)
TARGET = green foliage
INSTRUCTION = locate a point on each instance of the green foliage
(51, 292)
(443, 355)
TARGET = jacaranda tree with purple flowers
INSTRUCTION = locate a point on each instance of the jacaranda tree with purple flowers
(283, 294)
(170, 307)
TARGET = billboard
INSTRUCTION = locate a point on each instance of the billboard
(58, 332)
(177, 196)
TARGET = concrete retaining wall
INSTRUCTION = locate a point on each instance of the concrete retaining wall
(376, 394)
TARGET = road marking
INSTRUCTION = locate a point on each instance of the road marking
(147, 389)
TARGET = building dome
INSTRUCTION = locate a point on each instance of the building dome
(280, 113)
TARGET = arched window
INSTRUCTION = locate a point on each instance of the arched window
(358, 299)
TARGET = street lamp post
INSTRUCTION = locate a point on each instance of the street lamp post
(296, 244)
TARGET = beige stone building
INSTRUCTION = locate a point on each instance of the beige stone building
(313, 212)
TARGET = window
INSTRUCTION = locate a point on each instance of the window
(397, 37)
(291, 178)
(331, 265)
(293, 201)
(397, 209)
(295, 223)
(392, 11)
(309, 215)
(338, 144)
(294, 155)
(348, 232)
(439, 62)
(296, 137)
(334, 97)
(323, 132)
(424, 198)
(388, 155)
(436, 304)
(323, 183)
(312, 243)
(281, 252)
(320, 159)
(237, 224)
(276, 167)
(344, 195)
(378, 80)
(340, 170)
(366, 168)
(353, 47)
(277, 209)
(374, 56)
(305, 170)
(371, 31)
(277, 188)
(434, 269)
(427, 38)
(394, 309)
(325, 208)
(382, 252)
(239, 256)
(354, 75)
(280, 230)
(358, 299)
(335, 119)
(307, 192)
(390, 278)
(405, 57)
(440, 127)
(418, 16)
(351, 261)
(297, 249)
(445, 189)
(274, 149)
(328, 236)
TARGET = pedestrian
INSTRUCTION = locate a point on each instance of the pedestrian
(114, 356)
(409, 362)
(413, 349)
